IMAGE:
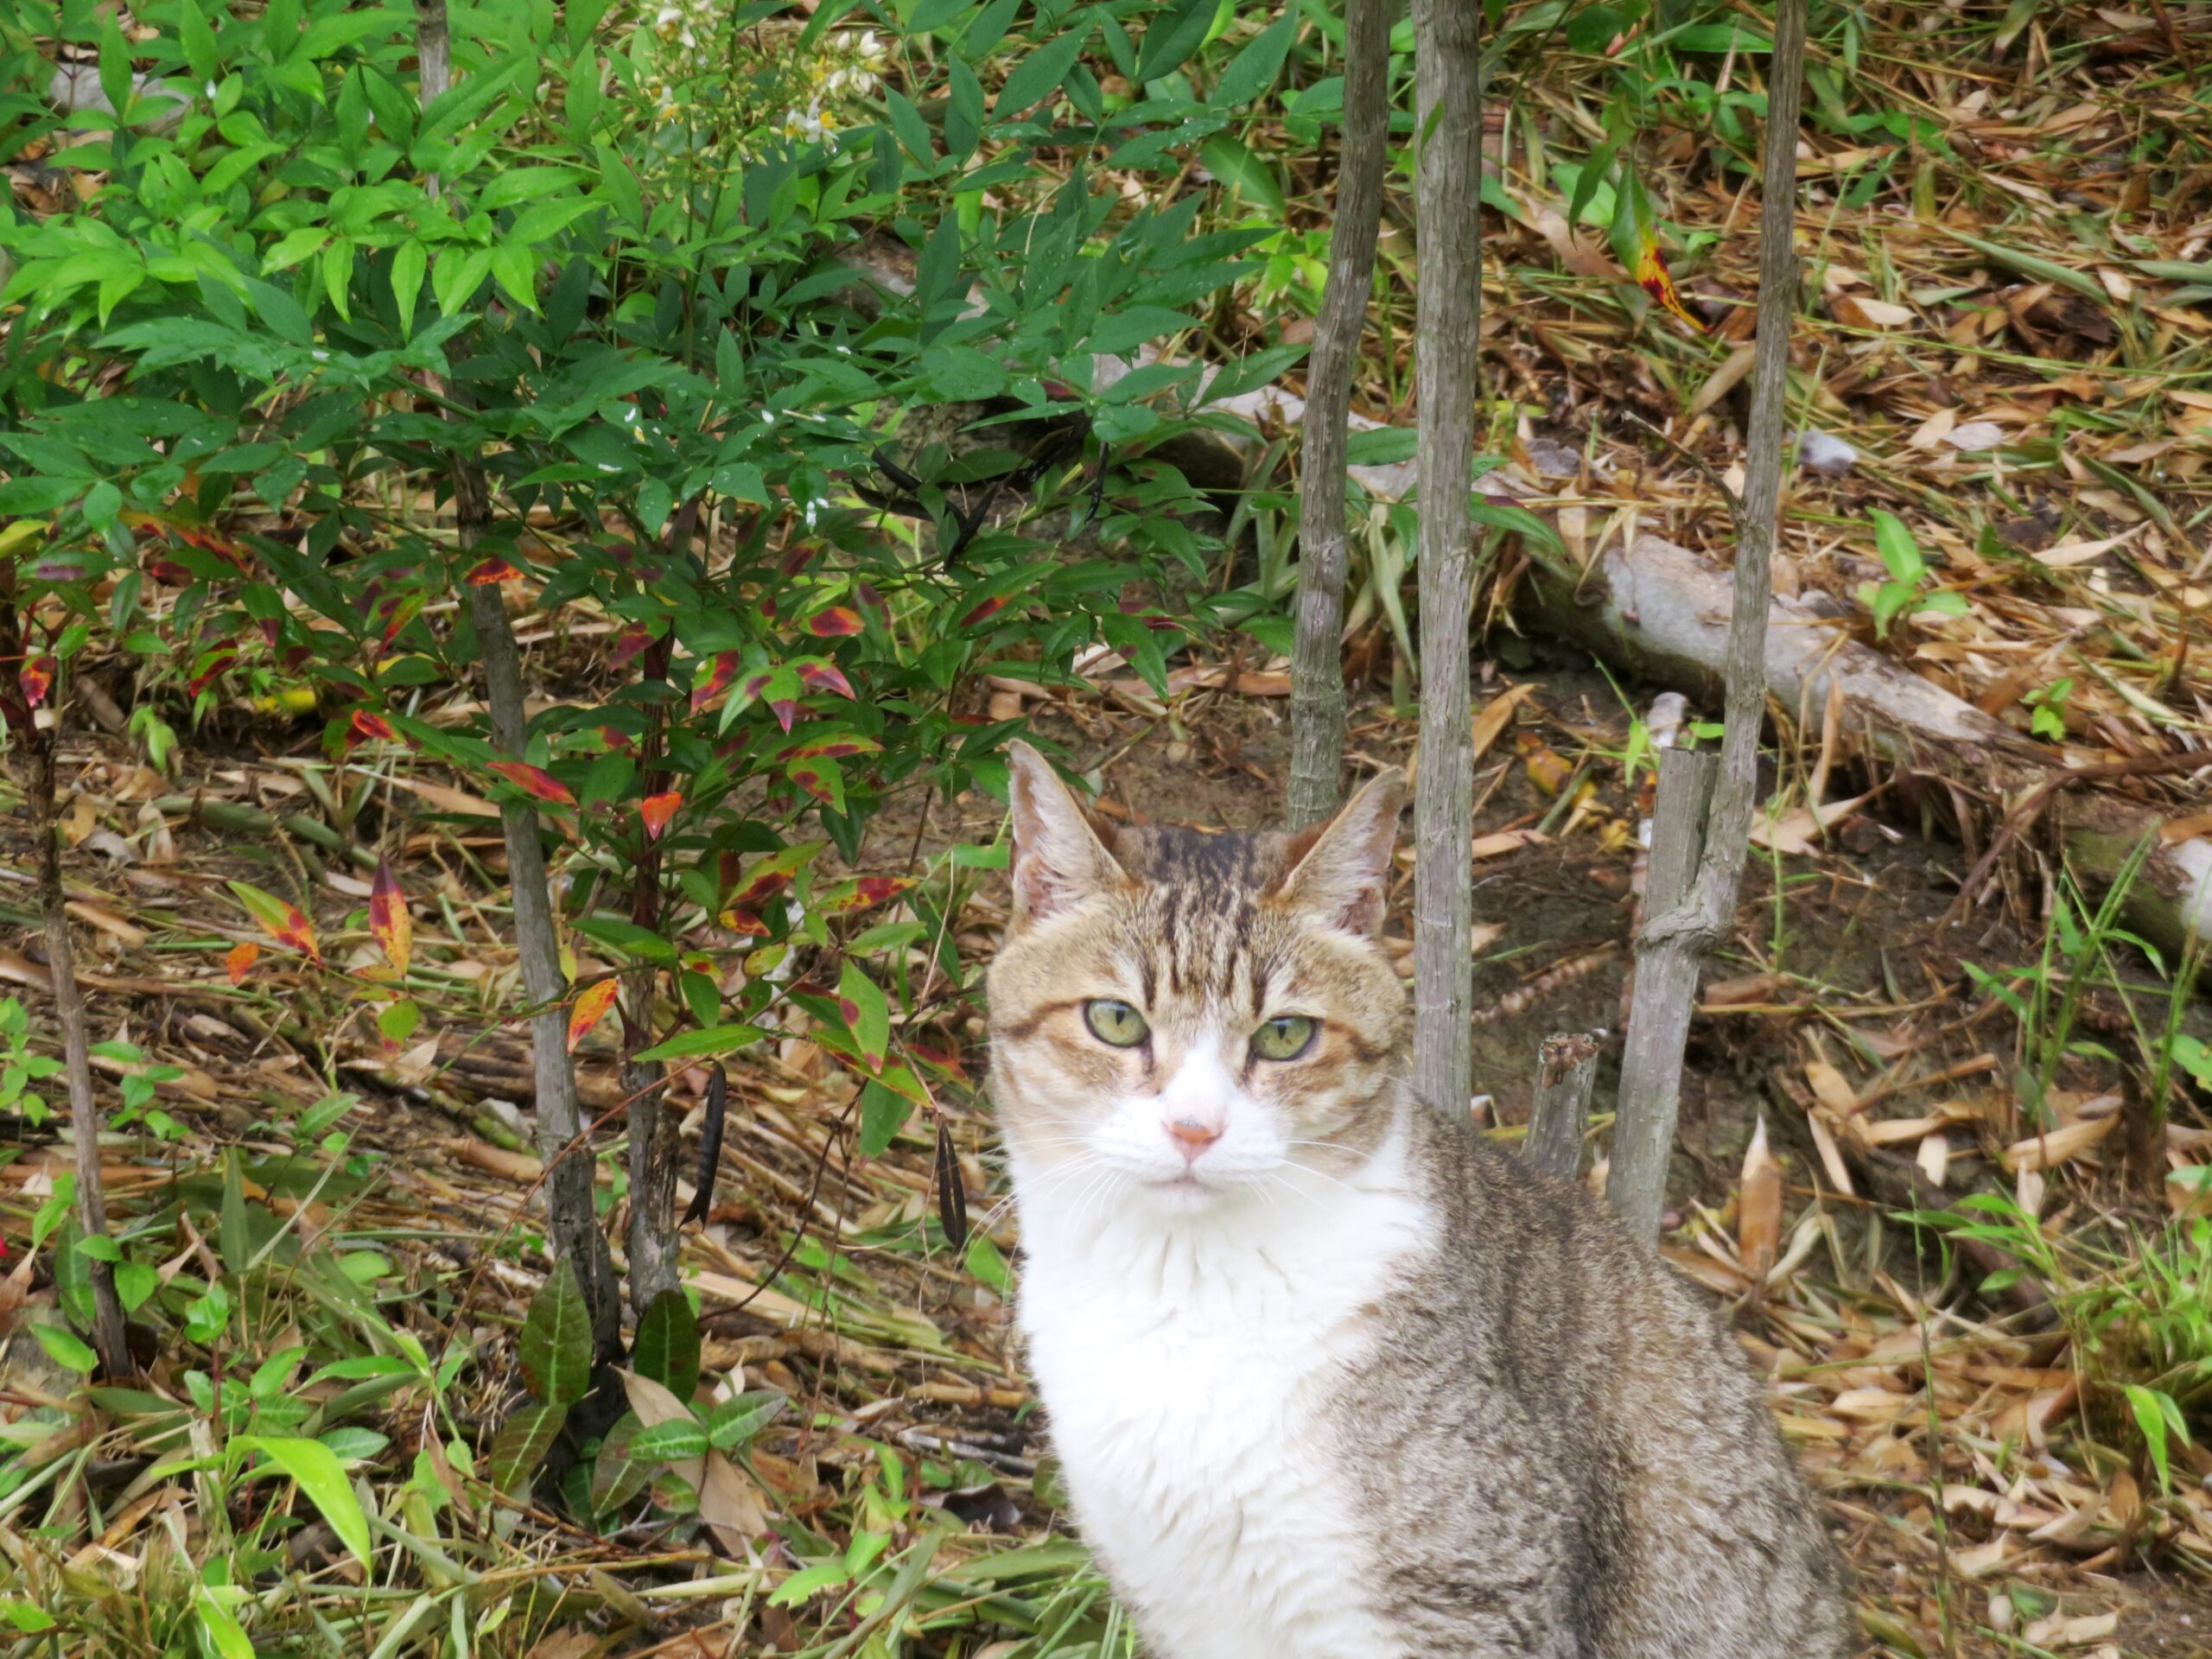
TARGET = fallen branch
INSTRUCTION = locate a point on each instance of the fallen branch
(1656, 611)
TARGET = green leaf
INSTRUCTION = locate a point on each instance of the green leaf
(556, 1339)
(700, 1045)
(408, 263)
(522, 1441)
(666, 1347)
(1901, 555)
(1381, 446)
(1039, 75)
(198, 41)
(313, 1466)
(25, 1617)
(2156, 1415)
(883, 1114)
(222, 1630)
(1176, 31)
(736, 1421)
(1231, 161)
(673, 1441)
(2032, 266)
(1252, 71)
(66, 1348)
(867, 1012)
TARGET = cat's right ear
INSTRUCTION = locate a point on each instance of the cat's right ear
(1058, 859)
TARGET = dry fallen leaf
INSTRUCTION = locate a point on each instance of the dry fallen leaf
(1759, 1214)
(2044, 1151)
(1830, 1089)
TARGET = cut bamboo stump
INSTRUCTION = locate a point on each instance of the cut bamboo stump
(1567, 1074)
(1666, 991)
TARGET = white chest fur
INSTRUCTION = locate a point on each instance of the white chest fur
(1185, 1365)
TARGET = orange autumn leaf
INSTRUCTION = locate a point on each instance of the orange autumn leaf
(657, 810)
(366, 723)
(834, 620)
(37, 679)
(1654, 278)
(240, 960)
(490, 573)
(280, 919)
(535, 781)
(390, 923)
(589, 1008)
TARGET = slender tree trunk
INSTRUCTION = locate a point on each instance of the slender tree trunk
(1448, 62)
(1316, 680)
(563, 1144)
(76, 1053)
(1677, 936)
(654, 1145)
(34, 749)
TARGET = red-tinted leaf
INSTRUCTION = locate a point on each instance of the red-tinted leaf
(627, 644)
(720, 671)
(870, 602)
(589, 1008)
(744, 924)
(212, 668)
(37, 678)
(942, 1060)
(771, 875)
(368, 723)
(490, 574)
(615, 738)
(784, 710)
(542, 785)
(799, 558)
(824, 677)
(390, 924)
(397, 613)
(657, 810)
(835, 621)
(831, 749)
(272, 630)
(208, 542)
(984, 612)
(872, 890)
(169, 571)
(863, 893)
(280, 919)
(240, 960)
(821, 779)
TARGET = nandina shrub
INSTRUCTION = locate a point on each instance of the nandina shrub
(254, 374)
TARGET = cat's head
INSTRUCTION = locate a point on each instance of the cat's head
(1178, 1016)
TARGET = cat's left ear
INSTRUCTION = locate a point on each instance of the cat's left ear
(1344, 875)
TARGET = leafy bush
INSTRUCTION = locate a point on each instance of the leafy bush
(257, 377)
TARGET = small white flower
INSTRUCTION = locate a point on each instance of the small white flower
(210, 89)
(767, 418)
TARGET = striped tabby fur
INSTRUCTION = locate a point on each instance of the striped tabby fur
(1332, 1378)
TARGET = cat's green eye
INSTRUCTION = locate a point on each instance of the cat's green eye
(1283, 1038)
(1115, 1024)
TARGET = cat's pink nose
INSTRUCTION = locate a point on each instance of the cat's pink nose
(1192, 1136)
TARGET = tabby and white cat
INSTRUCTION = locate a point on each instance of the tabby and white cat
(1331, 1377)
